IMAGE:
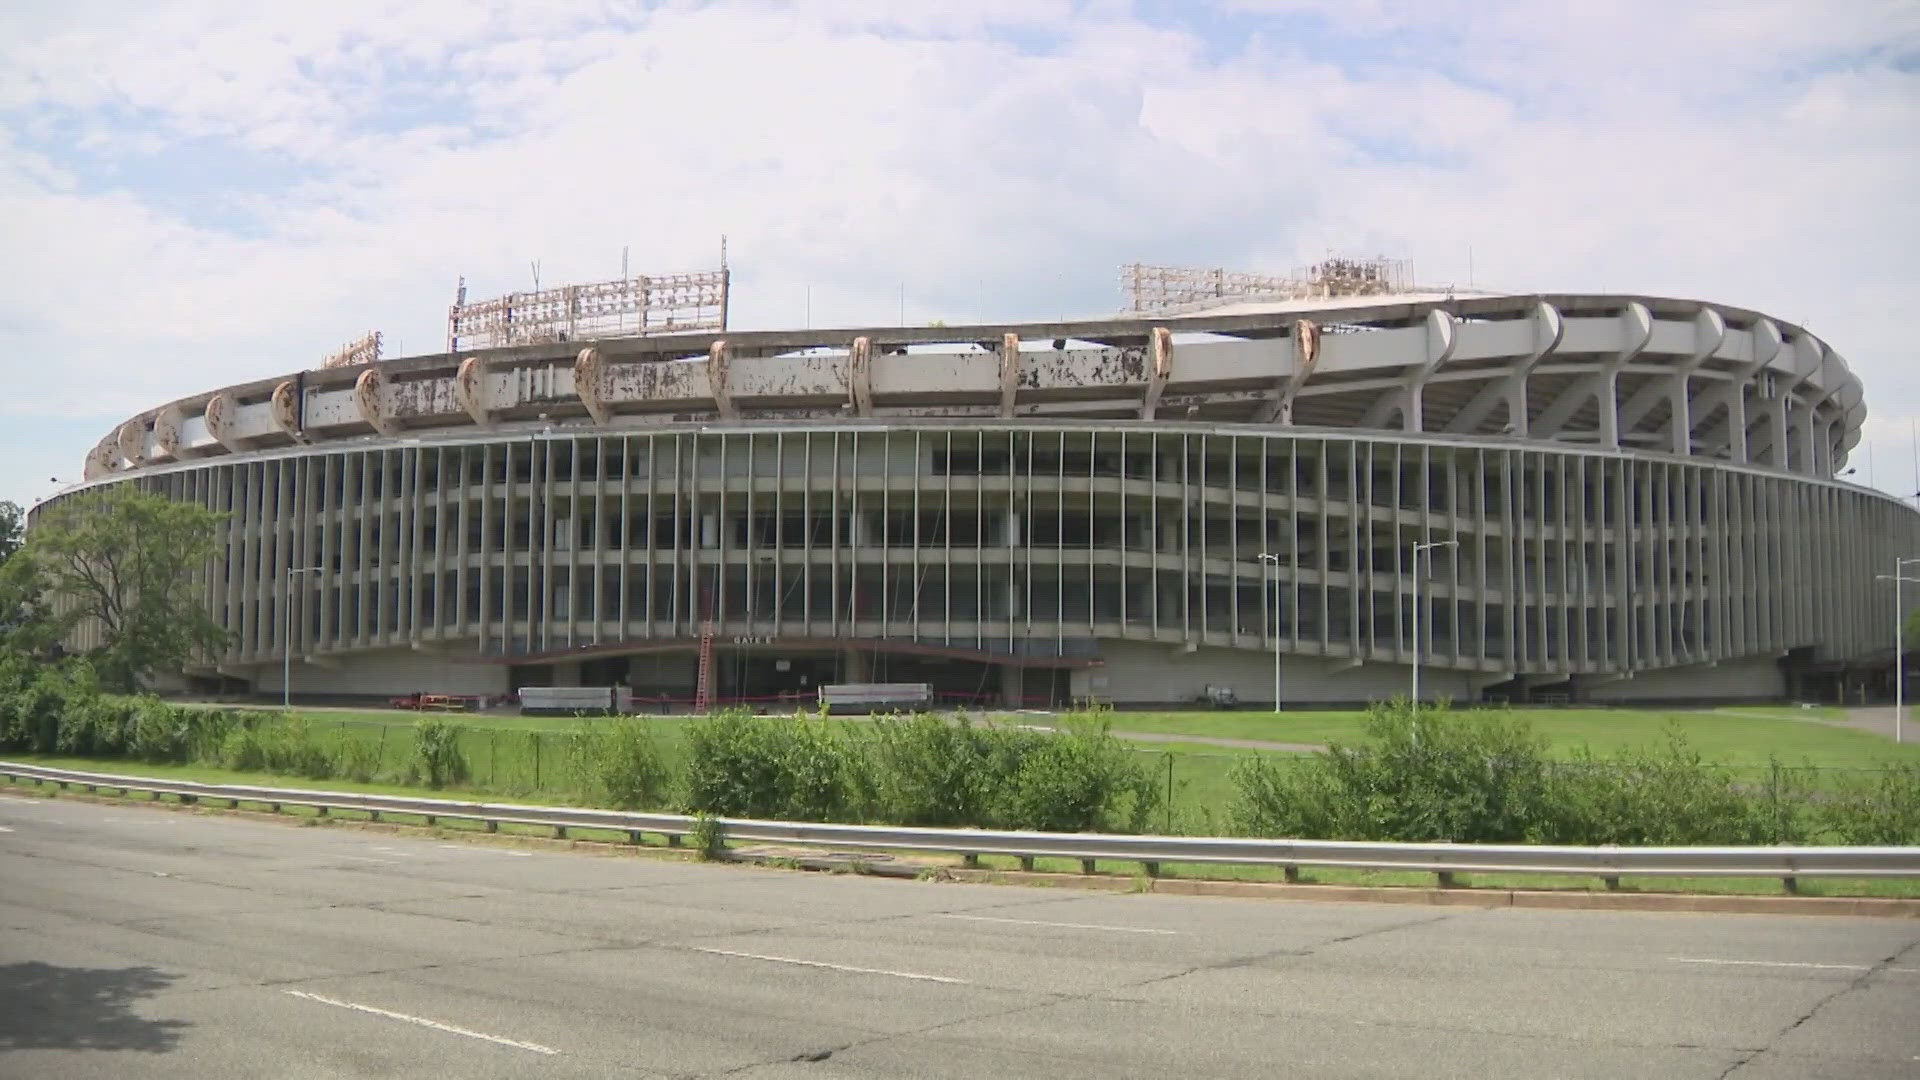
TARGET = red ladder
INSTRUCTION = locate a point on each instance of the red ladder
(703, 690)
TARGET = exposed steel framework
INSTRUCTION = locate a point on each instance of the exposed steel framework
(364, 350)
(1168, 289)
(625, 307)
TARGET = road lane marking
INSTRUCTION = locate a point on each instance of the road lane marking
(1066, 925)
(1770, 963)
(3, 828)
(426, 1023)
(835, 967)
(485, 851)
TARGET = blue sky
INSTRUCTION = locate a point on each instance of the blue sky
(208, 192)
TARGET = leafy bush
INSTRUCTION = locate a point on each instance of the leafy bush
(618, 764)
(437, 760)
(1485, 778)
(1882, 810)
(354, 758)
(1426, 775)
(1080, 779)
(921, 770)
(742, 765)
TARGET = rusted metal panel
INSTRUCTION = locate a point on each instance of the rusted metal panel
(166, 432)
(131, 439)
(719, 364)
(286, 410)
(366, 398)
(221, 413)
(470, 388)
(1160, 350)
(860, 376)
(590, 382)
(1009, 372)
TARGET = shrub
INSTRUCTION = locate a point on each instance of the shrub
(240, 750)
(1080, 779)
(354, 758)
(1883, 809)
(1426, 775)
(921, 770)
(618, 764)
(742, 765)
(1662, 796)
(437, 760)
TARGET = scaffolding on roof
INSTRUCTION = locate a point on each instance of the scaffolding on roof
(1164, 289)
(364, 350)
(625, 307)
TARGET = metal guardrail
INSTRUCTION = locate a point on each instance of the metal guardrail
(1444, 860)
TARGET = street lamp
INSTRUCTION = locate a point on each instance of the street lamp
(1899, 644)
(1417, 549)
(1269, 557)
(286, 664)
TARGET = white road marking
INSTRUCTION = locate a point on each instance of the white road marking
(1065, 925)
(1770, 963)
(835, 967)
(3, 828)
(486, 851)
(369, 858)
(424, 1022)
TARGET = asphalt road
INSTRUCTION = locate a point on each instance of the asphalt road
(154, 943)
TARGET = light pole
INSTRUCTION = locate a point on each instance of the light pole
(1899, 644)
(286, 655)
(1428, 545)
(1269, 557)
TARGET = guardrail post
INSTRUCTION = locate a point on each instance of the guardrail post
(559, 832)
(189, 800)
(233, 804)
(1611, 881)
(492, 825)
(1445, 879)
(1086, 866)
(274, 806)
(1026, 863)
(1151, 869)
(430, 820)
(1290, 875)
(1790, 883)
(970, 860)
(373, 815)
(93, 789)
(673, 839)
(633, 837)
(319, 811)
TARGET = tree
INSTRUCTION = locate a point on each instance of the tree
(12, 529)
(121, 562)
(24, 629)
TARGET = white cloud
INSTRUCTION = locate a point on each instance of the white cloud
(995, 160)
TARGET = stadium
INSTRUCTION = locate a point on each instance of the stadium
(1241, 486)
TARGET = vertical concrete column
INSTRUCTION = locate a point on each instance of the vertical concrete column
(1012, 686)
(853, 666)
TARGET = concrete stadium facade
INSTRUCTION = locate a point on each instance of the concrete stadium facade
(1642, 494)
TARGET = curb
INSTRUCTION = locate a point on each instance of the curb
(1568, 900)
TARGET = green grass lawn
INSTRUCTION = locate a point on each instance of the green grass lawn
(1724, 736)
